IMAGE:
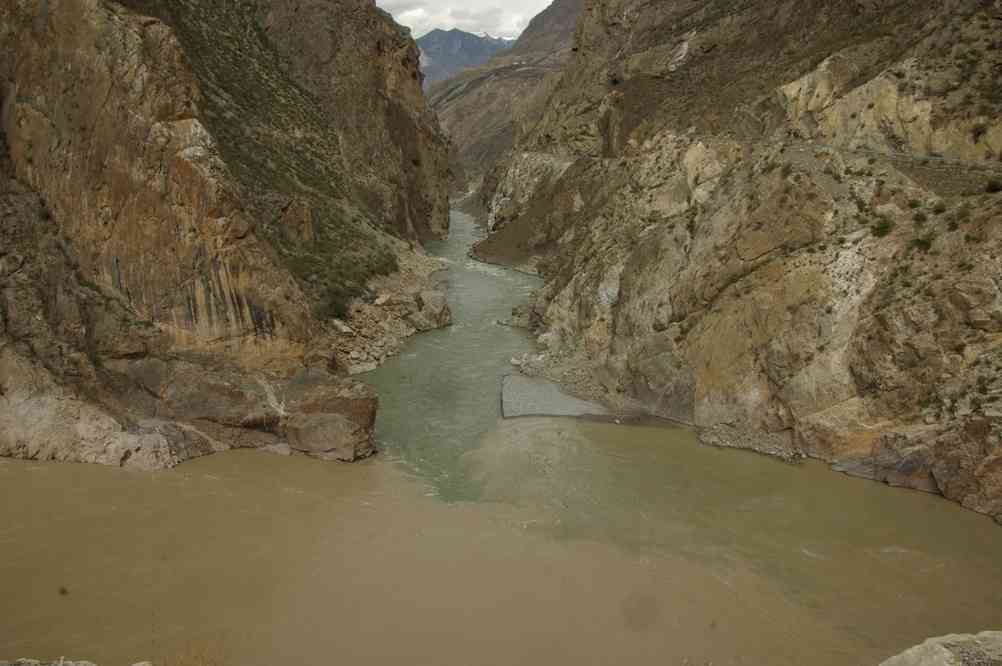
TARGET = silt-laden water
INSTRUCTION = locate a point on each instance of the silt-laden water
(478, 541)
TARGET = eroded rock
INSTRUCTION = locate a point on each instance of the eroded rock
(186, 221)
(797, 254)
(983, 649)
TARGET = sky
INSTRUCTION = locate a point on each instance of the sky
(500, 18)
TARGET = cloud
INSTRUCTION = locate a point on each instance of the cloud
(475, 16)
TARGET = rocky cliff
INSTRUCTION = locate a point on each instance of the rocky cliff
(478, 108)
(445, 53)
(779, 222)
(194, 194)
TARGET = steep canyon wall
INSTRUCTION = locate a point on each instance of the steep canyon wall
(194, 192)
(779, 222)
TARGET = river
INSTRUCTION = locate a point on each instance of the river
(473, 540)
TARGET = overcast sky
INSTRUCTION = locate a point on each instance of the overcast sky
(501, 18)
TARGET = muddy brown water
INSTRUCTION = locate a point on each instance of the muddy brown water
(474, 540)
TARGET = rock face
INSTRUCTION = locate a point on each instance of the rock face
(480, 108)
(778, 222)
(955, 650)
(192, 192)
(83, 379)
(445, 53)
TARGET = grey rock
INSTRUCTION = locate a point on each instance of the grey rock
(984, 649)
(362, 368)
(278, 449)
(342, 327)
(434, 311)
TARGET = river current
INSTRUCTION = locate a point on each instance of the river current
(474, 540)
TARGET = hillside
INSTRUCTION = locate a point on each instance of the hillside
(477, 108)
(190, 200)
(779, 222)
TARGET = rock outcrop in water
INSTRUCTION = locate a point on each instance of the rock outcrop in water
(985, 649)
(779, 222)
(194, 195)
(478, 108)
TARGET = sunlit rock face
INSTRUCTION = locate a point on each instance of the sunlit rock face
(211, 185)
(778, 222)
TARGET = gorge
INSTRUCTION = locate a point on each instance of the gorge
(777, 222)
(766, 226)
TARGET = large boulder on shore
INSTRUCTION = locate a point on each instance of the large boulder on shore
(433, 311)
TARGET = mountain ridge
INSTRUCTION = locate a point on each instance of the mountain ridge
(477, 108)
(445, 53)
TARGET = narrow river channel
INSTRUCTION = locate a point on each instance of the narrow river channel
(477, 541)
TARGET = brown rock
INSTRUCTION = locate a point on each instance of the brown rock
(330, 436)
(760, 248)
(198, 202)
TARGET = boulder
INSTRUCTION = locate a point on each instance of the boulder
(433, 311)
(330, 436)
(984, 649)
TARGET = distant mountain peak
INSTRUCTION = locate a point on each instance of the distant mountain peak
(445, 53)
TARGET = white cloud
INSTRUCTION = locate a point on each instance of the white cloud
(489, 16)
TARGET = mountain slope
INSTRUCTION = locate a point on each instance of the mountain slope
(778, 222)
(445, 53)
(194, 190)
(477, 108)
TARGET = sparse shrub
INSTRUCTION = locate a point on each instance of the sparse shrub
(336, 301)
(921, 218)
(883, 228)
(914, 203)
(994, 186)
(939, 208)
(978, 131)
(923, 244)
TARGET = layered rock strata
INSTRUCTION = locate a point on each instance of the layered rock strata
(779, 222)
(199, 199)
